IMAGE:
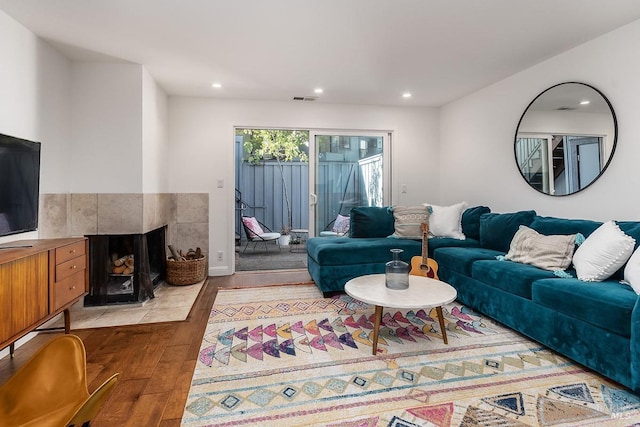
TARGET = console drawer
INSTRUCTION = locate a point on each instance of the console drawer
(71, 267)
(68, 289)
(65, 253)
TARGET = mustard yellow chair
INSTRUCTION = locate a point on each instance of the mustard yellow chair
(50, 390)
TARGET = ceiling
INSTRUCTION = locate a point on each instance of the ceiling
(569, 97)
(358, 51)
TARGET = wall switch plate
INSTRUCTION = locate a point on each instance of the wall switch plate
(403, 188)
(220, 183)
(220, 255)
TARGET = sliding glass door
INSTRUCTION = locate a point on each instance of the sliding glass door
(347, 169)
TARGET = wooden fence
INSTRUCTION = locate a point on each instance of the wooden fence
(261, 191)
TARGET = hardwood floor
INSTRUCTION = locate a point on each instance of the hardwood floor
(155, 360)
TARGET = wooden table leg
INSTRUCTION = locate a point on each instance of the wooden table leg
(12, 349)
(67, 321)
(376, 328)
(441, 320)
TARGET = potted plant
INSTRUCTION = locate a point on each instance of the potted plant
(285, 237)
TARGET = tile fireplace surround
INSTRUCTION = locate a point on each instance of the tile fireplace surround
(186, 215)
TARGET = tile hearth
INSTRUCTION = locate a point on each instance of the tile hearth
(171, 303)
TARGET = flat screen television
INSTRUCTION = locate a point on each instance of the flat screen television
(19, 185)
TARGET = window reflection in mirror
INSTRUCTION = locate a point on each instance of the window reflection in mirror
(565, 139)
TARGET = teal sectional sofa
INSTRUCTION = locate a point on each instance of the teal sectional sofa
(332, 261)
(597, 324)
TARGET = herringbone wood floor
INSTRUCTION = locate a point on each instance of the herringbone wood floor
(155, 361)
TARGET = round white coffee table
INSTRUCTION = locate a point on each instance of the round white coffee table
(423, 292)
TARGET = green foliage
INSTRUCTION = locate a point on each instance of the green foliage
(278, 144)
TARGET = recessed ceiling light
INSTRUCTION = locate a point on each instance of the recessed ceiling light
(318, 90)
(584, 102)
(406, 95)
(216, 85)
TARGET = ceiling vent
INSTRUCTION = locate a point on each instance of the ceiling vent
(566, 108)
(304, 98)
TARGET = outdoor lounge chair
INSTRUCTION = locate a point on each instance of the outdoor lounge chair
(255, 231)
(336, 228)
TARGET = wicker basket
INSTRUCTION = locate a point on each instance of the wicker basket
(186, 272)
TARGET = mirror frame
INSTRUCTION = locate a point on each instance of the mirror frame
(613, 147)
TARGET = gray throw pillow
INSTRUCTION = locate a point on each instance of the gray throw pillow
(546, 252)
(408, 221)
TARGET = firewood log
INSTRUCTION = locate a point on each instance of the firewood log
(120, 261)
(175, 254)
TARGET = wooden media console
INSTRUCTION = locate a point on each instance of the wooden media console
(39, 279)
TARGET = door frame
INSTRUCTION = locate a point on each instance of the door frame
(387, 137)
(573, 155)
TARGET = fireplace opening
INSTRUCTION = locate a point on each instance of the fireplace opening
(125, 268)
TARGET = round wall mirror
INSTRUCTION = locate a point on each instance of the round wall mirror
(565, 139)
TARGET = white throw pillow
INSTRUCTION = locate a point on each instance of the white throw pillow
(446, 221)
(632, 271)
(603, 253)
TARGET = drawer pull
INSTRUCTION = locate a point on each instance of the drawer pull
(72, 251)
(73, 267)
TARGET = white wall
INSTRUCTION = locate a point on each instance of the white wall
(155, 175)
(477, 134)
(106, 112)
(201, 138)
(34, 102)
(92, 117)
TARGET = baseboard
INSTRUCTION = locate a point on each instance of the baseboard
(220, 271)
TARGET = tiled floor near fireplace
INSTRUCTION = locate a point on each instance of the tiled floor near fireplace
(171, 303)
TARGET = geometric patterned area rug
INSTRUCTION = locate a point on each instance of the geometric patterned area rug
(285, 356)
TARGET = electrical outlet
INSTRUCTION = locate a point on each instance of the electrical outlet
(220, 255)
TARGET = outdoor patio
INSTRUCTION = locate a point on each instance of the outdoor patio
(257, 258)
(274, 189)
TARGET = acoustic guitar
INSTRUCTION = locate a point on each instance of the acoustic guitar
(422, 265)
